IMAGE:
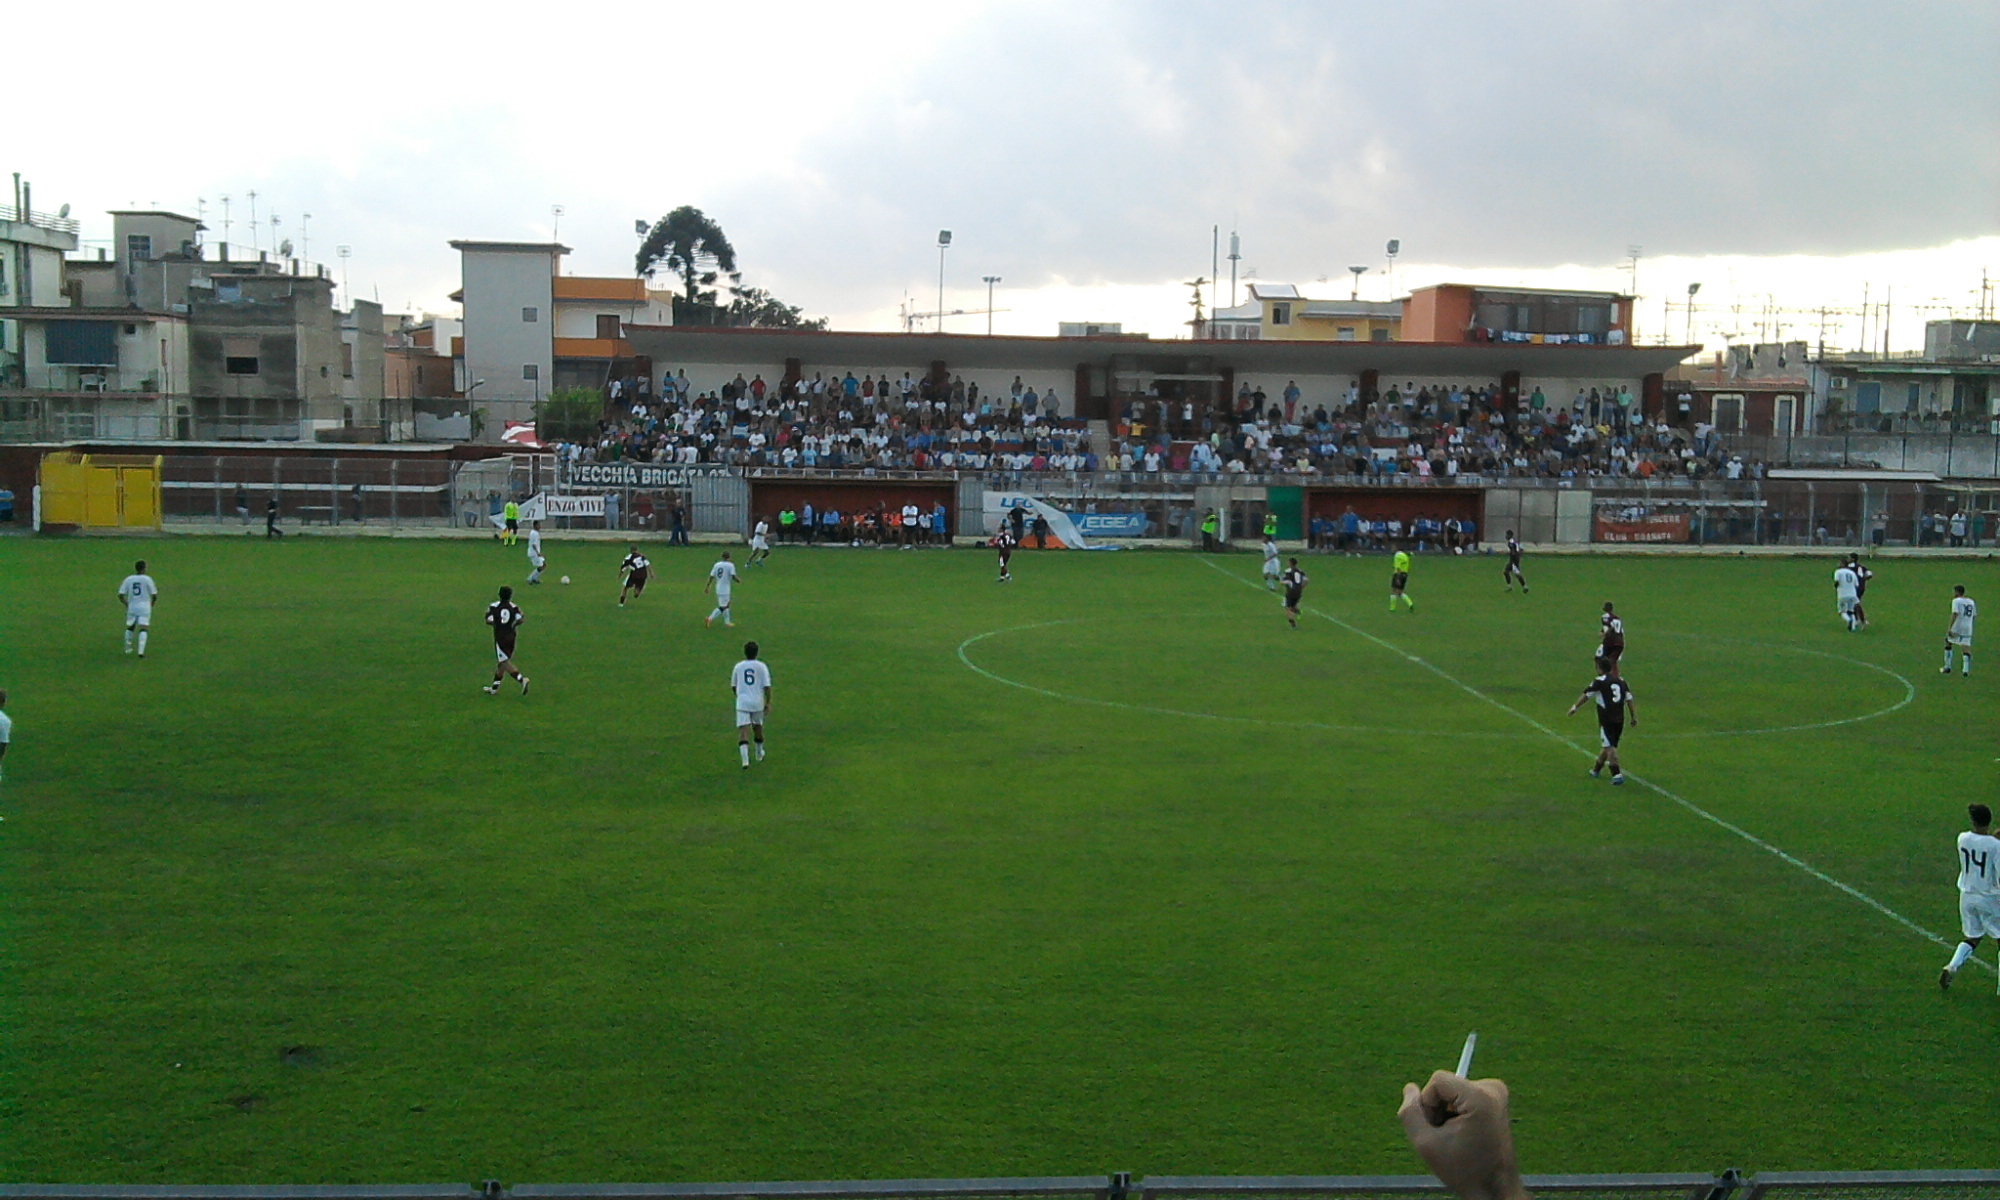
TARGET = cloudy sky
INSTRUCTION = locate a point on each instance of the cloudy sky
(1785, 154)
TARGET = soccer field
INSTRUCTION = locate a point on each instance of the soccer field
(1104, 869)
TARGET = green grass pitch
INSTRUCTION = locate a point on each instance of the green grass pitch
(1161, 886)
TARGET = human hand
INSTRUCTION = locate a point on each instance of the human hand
(1461, 1129)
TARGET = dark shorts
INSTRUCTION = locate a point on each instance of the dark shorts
(513, 526)
(1293, 596)
(1006, 552)
(1609, 732)
(1513, 562)
(1612, 652)
(637, 580)
(1399, 580)
(504, 646)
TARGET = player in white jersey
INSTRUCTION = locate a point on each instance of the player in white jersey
(721, 580)
(138, 592)
(1271, 568)
(1959, 636)
(535, 560)
(760, 544)
(751, 681)
(6, 731)
(1847, 594)
(1978, 888)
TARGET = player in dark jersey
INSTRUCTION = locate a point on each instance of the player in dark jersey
(505, 618)
(1512, 571)
(1614, 701)
(636, 571)
(1295, 589)
(1861, 577)
(1613, 645)
(1003, 542)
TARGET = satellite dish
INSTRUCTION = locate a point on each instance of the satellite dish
(641, 228)
(1395, 247)
(285, 248)
(63, 211)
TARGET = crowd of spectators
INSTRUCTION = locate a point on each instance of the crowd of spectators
(915, 422)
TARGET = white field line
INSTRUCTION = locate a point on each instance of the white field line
(1070, 698)
(1685, 803)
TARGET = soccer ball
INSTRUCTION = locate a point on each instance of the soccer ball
(565, 579)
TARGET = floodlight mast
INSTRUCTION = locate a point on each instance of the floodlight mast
(944, 243)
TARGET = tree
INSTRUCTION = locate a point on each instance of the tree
(754, 307)
(689, 243)
(569, 415)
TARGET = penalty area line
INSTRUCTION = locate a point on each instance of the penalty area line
(1554, 736)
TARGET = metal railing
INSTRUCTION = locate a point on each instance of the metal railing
(60, 224)
(1122, 1185)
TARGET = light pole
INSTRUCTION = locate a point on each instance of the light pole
(990, 281)
(1692, 289)
(944, 243)
(1358, 273)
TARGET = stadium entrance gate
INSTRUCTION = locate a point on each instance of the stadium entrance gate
(98, 491)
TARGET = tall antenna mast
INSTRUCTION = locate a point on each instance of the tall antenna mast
(253, 219)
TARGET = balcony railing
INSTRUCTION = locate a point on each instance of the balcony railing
(40, 220)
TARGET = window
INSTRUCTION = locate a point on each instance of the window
(1915, 396)
(531, 371)
(531, 314)
(1522, 319)
(1379, 335)
(138, 247)
(347, 360)
(1728, 413)
(1589, 319)
(3, 276)
(1281, 314)
(1344, 334)
(607, 325)
(240, 364)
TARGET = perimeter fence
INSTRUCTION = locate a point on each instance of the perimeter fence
(1725, 1185)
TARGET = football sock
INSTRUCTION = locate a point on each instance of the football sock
(142, 644)
(128, 648)
(1959, 956)
(1392, 604)
(743, 750)
(760, 749)
(714, 613)
(1968, 654)
(1947, 658)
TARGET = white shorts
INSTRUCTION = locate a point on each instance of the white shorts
(1979, 916)
(536, 561)
(1845, 604)
(1271, 570)
(758, 543)
(138, 616)
(749, 716)
(1959, 637)
(722, 599)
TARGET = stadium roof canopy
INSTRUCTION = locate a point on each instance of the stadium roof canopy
(708, 344)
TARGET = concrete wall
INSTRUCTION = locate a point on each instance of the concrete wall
(498, 285)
